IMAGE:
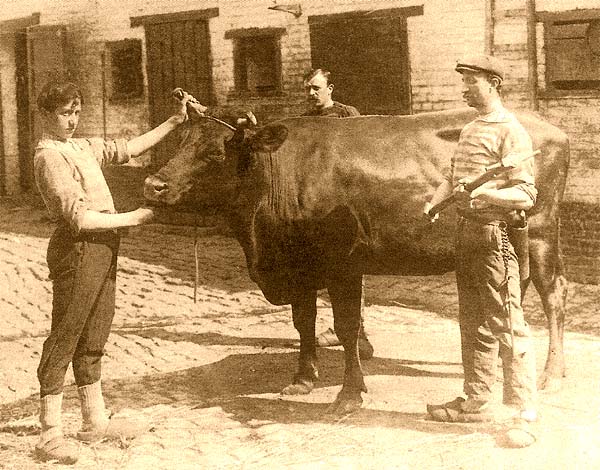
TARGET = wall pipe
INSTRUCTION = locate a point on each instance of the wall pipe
(103, 75)
(532, 63)
(490, 6)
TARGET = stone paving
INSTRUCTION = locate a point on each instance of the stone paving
(206, 375)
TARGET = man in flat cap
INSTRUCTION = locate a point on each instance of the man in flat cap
(487, 270)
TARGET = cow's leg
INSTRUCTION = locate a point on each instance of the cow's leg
(304, 313)
(345, 294)
(547, 275)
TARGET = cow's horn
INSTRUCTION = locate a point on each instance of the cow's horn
(248, 119)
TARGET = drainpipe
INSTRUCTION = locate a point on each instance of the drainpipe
(532, 65)
(103, 75)
(490, 6)
(2, 154)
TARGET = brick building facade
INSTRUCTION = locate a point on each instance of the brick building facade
(392, 57)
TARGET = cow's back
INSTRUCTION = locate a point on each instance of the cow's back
(380, 170)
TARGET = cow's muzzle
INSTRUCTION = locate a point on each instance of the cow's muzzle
(155, 189)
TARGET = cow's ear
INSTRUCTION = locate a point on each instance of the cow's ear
(269, 138)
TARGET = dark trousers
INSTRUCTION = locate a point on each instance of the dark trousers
(83, 272)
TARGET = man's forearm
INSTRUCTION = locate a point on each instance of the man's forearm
(443, 191)
(511, 198)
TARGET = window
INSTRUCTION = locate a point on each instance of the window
(126, 79)
(572, 42)
(257, 61)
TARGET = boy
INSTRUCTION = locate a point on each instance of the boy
(82, 259)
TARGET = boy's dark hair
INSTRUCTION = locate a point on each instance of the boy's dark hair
(57, 94)
(314, 72)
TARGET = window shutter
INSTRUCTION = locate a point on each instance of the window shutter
(572, 60)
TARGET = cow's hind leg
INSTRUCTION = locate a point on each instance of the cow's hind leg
(304, 313)
(547, 275)
(345, 294)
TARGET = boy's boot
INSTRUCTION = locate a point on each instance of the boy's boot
(52, 445)
(97, 422)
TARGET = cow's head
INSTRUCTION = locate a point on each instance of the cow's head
(199, 162)
(209, 161)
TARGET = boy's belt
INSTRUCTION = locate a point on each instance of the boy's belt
(104, 236)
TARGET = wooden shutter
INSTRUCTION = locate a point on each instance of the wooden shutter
(570, 61)
(178, 56)
(572, 49)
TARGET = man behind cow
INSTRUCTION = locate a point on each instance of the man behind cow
(319, 89)
(487, 271)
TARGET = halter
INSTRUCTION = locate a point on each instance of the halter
(227, 125)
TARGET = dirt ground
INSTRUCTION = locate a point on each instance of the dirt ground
(206, 376)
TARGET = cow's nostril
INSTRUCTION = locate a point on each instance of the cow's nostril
(160, 187)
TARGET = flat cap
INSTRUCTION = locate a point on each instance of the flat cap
(481, 63)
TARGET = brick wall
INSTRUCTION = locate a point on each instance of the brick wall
(575, 114)
(447, 30)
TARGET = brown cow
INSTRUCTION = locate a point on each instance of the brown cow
(316, 205)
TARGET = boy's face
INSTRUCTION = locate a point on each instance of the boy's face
(62, 122)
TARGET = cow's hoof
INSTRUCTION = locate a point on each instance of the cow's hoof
(299, 388)
(345, 405)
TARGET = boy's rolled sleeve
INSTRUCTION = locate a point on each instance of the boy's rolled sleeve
(110, 152)
(59, 189)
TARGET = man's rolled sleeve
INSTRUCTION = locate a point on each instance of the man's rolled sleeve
(516, 149)
(528, 189)
(61, 193)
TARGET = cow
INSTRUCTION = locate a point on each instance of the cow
(317, 204)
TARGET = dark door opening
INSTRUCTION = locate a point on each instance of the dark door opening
(367, 56)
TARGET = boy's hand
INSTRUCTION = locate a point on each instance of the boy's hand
(144, 215)
(190, 103)
(181, 115)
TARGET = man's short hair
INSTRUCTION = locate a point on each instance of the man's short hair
(314, 72)
(56, 94)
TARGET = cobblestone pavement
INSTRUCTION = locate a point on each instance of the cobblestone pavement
(206, 375)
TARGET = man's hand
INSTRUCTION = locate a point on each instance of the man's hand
(485, 195)
(460, 194)
(427, 215)
(478, 198)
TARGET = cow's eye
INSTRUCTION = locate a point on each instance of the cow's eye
(216, 157)
(209, 153)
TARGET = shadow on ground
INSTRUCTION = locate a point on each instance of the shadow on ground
(227, 383)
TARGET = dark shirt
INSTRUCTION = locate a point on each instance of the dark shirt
(336, 110)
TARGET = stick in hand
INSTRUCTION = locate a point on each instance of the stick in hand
(491, 172)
